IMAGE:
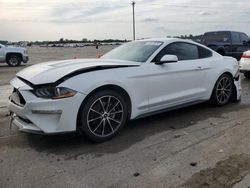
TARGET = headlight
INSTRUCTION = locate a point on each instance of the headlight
(54, 92)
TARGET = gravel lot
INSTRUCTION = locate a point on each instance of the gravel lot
(198, 146)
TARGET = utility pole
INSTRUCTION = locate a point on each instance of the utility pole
(133, 5)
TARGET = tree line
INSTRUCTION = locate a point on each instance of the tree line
(95, 41)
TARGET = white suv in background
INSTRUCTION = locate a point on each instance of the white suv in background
(245, 64)
(13, 56)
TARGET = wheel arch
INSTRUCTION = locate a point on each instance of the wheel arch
(113, 87)
(234, 96)
(9, 54)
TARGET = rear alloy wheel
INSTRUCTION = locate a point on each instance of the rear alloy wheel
(14, 61)
(103, 115)
(223, 90)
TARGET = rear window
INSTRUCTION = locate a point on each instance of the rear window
(244, 37)
(236, 38)
(216, 37)
(204, 53)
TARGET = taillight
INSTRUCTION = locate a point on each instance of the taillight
(246, 56)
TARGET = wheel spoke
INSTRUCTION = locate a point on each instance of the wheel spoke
(221, 98)
(114, 107)
(98, 126)
(100, 100)
(108, 104)
(95, 111)
(117, 112)
(220, 86)
(95, 119)
(114, 120)
(103, 127)
(227, 82)
(225, 97)
(110, 125)
(224, 81)
(220, 94)
(228, 86)
(226, 94)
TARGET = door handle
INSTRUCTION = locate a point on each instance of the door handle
(198, 68)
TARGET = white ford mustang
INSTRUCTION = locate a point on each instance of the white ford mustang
(97, 96)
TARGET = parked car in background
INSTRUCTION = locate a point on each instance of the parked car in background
(13, 56)
(227, 43)
(137, 79)
(245, 64)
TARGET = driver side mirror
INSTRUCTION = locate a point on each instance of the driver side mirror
(168, 59)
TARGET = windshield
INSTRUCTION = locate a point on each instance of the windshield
(216, 37)
(138, 51)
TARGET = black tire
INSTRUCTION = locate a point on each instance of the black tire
(13, 61)
(223, 90)
(247, 75)
(103, 115)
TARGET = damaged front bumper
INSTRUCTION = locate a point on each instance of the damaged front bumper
(42, 116)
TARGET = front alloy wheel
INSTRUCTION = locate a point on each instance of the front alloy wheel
(223, 90)
(103, 115)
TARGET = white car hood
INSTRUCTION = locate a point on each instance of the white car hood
(51, 72)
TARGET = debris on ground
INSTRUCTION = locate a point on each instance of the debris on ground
(177, 136)
(239, 123)
(136, 174)
(221, 151)
(213, 123)
(225, 173)
(193, 164)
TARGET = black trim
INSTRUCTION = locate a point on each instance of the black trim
(75, 73)
(26, 82)
(237, 78)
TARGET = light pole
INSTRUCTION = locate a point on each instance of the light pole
(133, 5)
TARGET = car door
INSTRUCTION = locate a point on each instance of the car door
(1, 53)
(173, 84)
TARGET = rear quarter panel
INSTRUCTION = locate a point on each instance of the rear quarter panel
(218, 66)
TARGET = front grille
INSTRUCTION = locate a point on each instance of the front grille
(17, 98)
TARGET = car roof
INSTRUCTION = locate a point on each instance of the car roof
(224, 31)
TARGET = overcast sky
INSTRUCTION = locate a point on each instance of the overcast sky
(99, 19)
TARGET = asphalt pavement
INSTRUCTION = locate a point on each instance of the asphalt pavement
(198, 146)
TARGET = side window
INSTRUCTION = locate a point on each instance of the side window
(204, 53)
(184, 51)
(236, 38)
(244, 37)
